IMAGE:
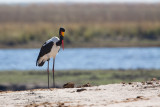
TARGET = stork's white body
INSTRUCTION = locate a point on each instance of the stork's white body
(53, 52)
(49, 50)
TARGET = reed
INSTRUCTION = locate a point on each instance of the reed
(79, 77)
(87, 25)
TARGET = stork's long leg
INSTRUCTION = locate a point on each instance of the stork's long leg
(48, 73)
(53, 73)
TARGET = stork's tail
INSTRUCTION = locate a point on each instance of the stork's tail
(39, 63)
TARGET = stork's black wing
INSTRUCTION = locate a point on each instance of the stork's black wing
(59, 42)
(45, 49)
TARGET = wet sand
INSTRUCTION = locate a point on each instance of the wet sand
(141, 94)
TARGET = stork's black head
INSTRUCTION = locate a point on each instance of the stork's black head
(61, 31)
(61, 34)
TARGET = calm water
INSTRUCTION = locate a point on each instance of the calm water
(84, 58)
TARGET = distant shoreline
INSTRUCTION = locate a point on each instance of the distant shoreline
(85, 45)
(19, 80)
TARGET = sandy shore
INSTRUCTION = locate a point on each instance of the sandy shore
(118, 95)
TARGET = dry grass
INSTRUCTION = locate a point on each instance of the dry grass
(91, 25)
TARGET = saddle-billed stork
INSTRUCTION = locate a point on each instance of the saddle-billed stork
(49, 50)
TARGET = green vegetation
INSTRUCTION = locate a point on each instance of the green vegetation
(96, 77)
(87, 25)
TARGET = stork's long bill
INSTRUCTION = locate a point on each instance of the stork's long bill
(62, 33)
(62, 45)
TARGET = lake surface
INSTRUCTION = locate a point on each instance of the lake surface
(83, 58)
